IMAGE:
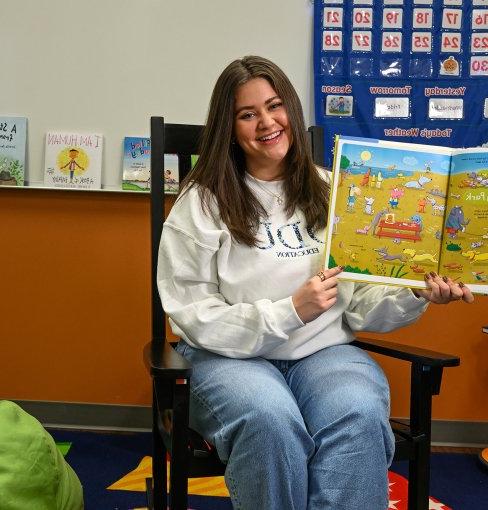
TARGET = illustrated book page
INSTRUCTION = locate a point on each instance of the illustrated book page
(465, 244)
(387, 210)
(73, 160)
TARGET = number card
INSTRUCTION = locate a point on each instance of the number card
(361, 40)
(327, 2)
(391, 42)
(479, 20)
(332, 40)
(392, 18)
(422, 2)
(451, 18)
(453, 2)
(362, 18)
(485, 110)
(479, 42)
(422, 18)
(392, 107)
(450, 42)
(333, 17)
(421, 42)
(480, 2)
(479, 66)
(393, 2)
(440, 108)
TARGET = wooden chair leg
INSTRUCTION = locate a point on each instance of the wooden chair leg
(159, 496)
(179, 447)
(423, 384)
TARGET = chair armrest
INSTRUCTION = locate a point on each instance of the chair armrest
(407, 352)
(162, 360)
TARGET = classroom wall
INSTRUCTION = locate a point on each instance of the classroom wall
(75, 288)
(75, 308)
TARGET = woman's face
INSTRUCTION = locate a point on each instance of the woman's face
(261, 128)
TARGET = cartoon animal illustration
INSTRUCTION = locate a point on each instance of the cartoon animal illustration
(437, 209)
(453, 266)
(474, 256)
(417, 269)
(479, 276)
(395, 195)
(419, 183)
(365, 179)
(384, 255)
(390, 168)
(351, 198)
(477, 244)
(363, 230)
(379, 180)
(368, 206)
(437, 193)
(455, 195)
(419, 257)
(427, 166)
(377, 219)
(453, 247)
(422, 202)
(416, 218)
(455, 221)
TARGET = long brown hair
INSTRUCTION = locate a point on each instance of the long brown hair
(220, 170)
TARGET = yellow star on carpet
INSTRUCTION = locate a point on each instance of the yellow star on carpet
(136, 481)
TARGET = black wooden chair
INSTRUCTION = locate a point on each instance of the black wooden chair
(190, 455)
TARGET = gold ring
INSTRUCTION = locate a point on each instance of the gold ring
(322, 276)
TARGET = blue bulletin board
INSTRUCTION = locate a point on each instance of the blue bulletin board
(407, 70)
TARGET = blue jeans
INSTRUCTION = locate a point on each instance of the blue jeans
(307, 434)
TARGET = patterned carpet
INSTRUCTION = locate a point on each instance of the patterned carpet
(113, 468)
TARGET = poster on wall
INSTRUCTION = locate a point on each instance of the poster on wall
(405, 70)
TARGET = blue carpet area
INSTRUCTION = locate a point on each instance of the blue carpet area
(100, 459)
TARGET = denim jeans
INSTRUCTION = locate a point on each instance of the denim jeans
(306, 434)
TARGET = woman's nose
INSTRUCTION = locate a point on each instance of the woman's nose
(266, 120)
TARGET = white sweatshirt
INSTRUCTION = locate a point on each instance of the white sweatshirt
(235, 300)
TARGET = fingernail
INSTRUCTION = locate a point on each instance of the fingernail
(341, 268)
(445, 278)
(433, 274)
(461, 284)
(427, 276)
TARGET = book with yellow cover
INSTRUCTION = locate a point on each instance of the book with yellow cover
(400, 210)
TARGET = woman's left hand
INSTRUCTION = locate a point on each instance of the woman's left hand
(442, 290)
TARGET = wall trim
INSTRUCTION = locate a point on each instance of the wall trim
(77, 415)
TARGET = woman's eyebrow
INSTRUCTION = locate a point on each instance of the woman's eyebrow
(251, 107)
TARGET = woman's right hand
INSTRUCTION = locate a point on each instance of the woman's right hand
(317, 294)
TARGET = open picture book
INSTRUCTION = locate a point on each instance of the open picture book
(400, 210)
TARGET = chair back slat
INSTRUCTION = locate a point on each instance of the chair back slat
(183, 140)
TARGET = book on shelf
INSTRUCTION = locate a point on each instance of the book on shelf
(136, 165)
(73, 160)
(399, 211)
(13, 138)
(171, 174)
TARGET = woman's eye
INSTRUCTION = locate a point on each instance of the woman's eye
(274, 106)
(246, 115)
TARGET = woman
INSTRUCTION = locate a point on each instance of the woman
(299, 415)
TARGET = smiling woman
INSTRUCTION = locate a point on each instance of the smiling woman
(266, 328)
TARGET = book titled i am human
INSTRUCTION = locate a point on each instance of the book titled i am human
(73, 160)
(399, 211)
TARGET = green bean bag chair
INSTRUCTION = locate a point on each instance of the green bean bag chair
(33, 472)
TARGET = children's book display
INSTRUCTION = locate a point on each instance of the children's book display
(136, 166)
(13, 132)
(401, 210)
(73, 160)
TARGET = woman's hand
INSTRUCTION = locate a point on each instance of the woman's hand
(442, 290)
(316, 295)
